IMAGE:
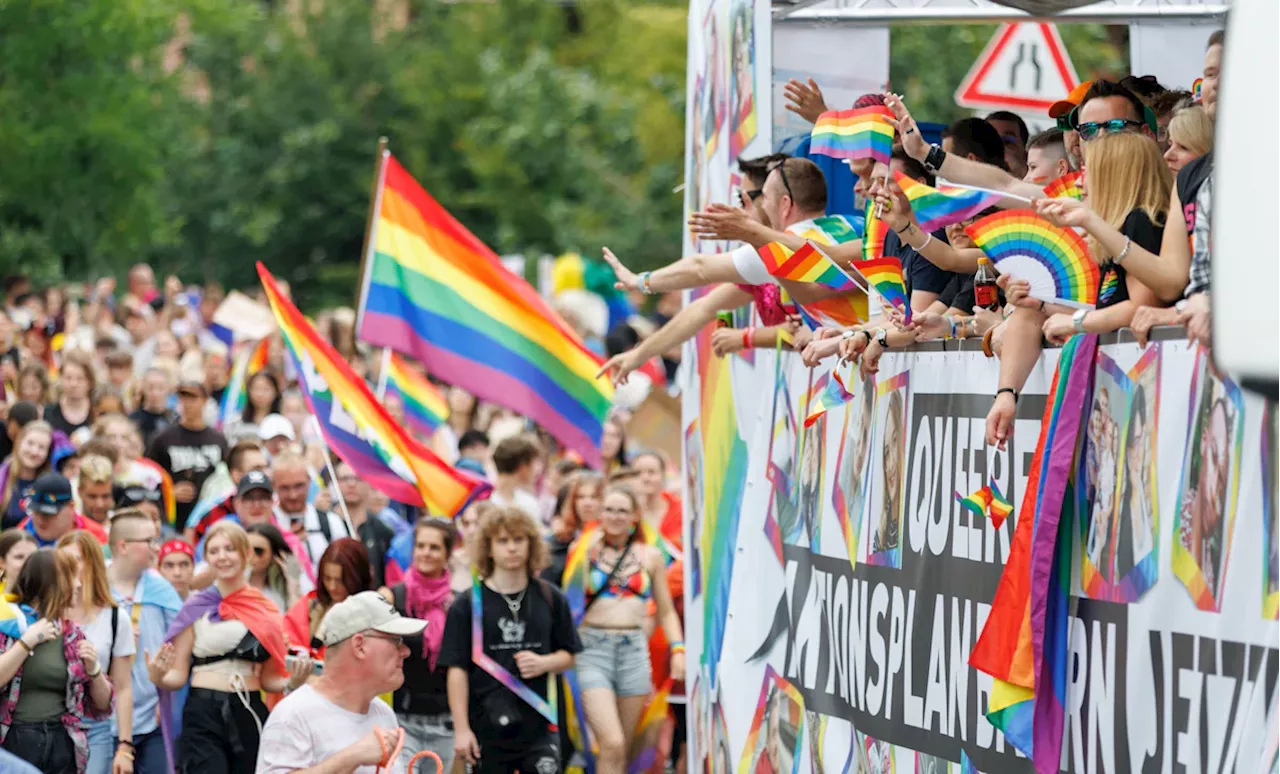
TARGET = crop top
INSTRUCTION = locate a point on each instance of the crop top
(636, 584)
(224, 641)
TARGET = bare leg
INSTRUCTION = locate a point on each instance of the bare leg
(602, 708)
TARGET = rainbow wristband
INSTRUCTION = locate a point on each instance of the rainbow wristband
(677, 647)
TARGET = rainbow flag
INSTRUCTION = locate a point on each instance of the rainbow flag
(436, 293)
(1067, 185)
(987, 502)
(424, 407)
(859, 133)
(651, 721)
(885, 275)
(250, 361)
(938, 207)
(808, 264)
(830, 393)
(358, 428)
(874, 234)
(966, 765)
(1023, 645)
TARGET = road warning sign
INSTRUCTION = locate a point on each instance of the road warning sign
(1025, 68)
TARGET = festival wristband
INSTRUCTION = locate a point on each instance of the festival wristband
(545, 707)
(1009, 390)
(748, 338)
(677, 647)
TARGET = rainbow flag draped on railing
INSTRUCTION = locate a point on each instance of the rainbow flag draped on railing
(425, 408)
(356, 426)
(250, 361)
(432, 291)
(1023, 645)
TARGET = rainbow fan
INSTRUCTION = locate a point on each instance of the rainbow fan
(874, 233)
(885, 275)
(1055, 261)
(860, 133)
(942, 206)
(1067, 185)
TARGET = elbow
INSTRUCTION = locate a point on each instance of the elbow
(701, 268)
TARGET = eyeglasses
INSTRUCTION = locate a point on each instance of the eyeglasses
(1094, 129)
(617, 511)
(153, 542)
(781, 166)
(391, 638)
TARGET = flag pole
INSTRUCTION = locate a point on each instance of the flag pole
(333, 481)
(381, 391)
(375, 198)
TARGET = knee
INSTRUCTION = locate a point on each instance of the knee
(613, 747)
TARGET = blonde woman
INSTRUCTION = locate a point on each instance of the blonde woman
(110, 631)
(30, 460)
(1190, 137)
(1127, 184)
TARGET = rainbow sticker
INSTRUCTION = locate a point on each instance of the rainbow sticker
(1197, 89)
(1055, 261)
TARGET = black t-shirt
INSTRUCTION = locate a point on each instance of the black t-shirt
(917, 271)
(377, 538)
(1142, 232)
(151, 425)
(188, 455)
(542, 625)
(54, 416)
(425, 690)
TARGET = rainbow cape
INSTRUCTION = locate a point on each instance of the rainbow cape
(885, 275)
(860, 133)
(1023, 645)
(828, 392)
(1054, 260)
(436, 293)
(988, 502)
(358, 428)
(251, 360)
(1067, 185)
(942, 206)
(424, 407)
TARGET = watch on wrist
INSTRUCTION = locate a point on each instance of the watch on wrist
(882, 338)
(1077, 320)
(935, 158)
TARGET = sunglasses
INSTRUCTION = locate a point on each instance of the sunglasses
(781, 166)
(1094, 129)
(391, 638)
(753, 194)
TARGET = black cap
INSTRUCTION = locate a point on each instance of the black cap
(51, 493)
(254, 479)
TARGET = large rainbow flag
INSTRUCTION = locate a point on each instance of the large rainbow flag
(424, 407)
(251, 360)
(432, 291)
(358, 428)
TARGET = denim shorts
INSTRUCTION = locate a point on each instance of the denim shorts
(617, 659)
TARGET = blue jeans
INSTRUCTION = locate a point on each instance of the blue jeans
(148, 750)
(102, 746)
(148, 754)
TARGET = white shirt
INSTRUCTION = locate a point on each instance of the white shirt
(520, 499)
(315, 541)
(98, 631)
(751, 266)
(306, 729)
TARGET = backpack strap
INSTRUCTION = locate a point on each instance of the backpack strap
(398, 596)
(323, 518)
(115, 621)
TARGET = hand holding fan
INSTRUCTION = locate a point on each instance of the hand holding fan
(1054, 261)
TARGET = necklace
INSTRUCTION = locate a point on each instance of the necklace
(514, 607)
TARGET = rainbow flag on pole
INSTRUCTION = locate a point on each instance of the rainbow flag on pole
(432, 291)
(358, 428)
(860, 133)
(250, 361)
(424, 407)
(942, 206)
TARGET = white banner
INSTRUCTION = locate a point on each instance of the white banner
(836, 588)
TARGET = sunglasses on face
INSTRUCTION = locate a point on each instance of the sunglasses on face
(753, 194)
(1094, 129)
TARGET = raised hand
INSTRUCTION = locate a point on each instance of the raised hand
(805, 99)
(627, 279)
(88, 656)
(908, 132)
(159, 666)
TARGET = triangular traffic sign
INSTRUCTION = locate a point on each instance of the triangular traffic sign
(1024, 68)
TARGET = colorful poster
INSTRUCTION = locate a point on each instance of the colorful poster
(693, 499)
(1206, 510)
(1099, 477)
(879, 756)
(849, 489)
(812, 453)
(1137, 511)
(742, 85)
(713, 98)
(889, 466)
(782, 522)
(776, 733)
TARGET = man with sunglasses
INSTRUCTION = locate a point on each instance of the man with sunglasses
(337, 723)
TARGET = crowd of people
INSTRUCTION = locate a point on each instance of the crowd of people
(196, 586)
(1145, 158)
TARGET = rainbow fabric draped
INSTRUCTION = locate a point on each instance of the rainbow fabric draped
(1023, 645)
(432, 291)
(356, 426)
(425, 408)
(545, 707)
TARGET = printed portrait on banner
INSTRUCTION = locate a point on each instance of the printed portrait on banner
(817, 725)
(776, 732)
(693, 501)
(696, 168)
(1270, 525)
(889, 464)
(879, 756)
(1099, 475)
(782, 521)
(713, 98)
(742, 76)
(1137, 512)
(1205, 513)
(931, 764)
(722, 755)
(812, 454)
(849, 489)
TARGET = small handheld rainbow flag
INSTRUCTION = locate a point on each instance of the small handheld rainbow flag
(1067, 185)
(942, 206)
(808, 264)
(830, 395)
(987, 502)
(860, 133)
(424, 407)
(874, 235)
(885, 275)
(838, 227)
(1055, 261)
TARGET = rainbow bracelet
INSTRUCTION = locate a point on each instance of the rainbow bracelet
(677, 647)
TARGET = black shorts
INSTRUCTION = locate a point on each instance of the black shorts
(219, 734)
(541, 757)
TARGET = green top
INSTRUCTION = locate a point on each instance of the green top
(43, 696)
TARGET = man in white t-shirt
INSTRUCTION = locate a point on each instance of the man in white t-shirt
(516, 461)
(332, 725)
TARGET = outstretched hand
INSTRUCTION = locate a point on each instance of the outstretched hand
(627, 279)
(619, 367)
(720, 221)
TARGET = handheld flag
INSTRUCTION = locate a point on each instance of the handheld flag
(250, 361)
(942, 206)
(830, 395)
(885, 275)
(860, 133)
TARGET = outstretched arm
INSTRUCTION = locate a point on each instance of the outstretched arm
(685, 274)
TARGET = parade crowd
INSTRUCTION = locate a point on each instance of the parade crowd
(194, 589)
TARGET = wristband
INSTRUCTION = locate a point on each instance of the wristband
(1119, 259)
(904, 229)
(95, 673)
(748, 336)
(935, 158)
(986, 343)
(1009, 390)
(951, 323)
(644, 283)
(27, 647)
(677, 647)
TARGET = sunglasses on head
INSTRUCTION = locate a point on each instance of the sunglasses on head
(781, 166)
(1093, 129)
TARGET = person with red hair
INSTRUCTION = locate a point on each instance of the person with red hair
(344, 570)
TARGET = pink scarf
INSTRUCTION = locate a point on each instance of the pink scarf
(428, 599)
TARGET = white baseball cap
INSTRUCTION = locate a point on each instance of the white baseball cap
(274, 426)
(366, 611)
